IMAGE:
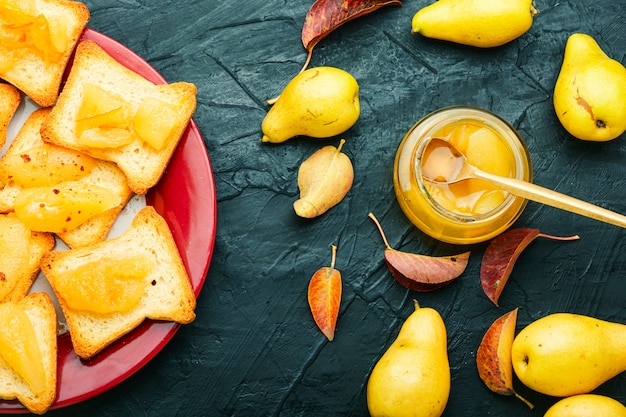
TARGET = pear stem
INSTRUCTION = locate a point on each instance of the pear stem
(380, 229)
(416, 304)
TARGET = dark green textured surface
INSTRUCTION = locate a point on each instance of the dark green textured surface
(254, 349)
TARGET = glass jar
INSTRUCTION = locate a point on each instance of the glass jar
(471, 211)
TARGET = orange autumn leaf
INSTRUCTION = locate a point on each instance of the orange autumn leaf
(324, 16)
(325, 296)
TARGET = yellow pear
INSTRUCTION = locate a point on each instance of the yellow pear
(590, 91)
(412, 378)
(587, 405)
(324, 179)
(565, 354)
(319, 102)
(481, 23)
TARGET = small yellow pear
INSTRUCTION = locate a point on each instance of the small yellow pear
(565, 354)
(587, 405)
(320, 102)
(590, 91)
(412, 378)
(480, 23)
(324, 179)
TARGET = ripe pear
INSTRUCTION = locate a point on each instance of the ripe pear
(587, 405)
(412, 378)
(590, 91)
(484, 23)
(565, 354)
(319, 102)
(324, 179)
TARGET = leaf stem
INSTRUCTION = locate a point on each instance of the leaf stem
(272, 101)
(341, 142)
(308, 60)
(380, 229)
(575, 237)
(524, 400)
(333, 256)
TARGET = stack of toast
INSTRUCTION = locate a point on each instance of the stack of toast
(67, 175)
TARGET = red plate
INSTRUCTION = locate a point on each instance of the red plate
(186, 198)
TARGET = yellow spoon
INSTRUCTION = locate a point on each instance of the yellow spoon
(456, 168)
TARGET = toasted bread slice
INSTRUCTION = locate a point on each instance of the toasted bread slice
(35, 72)
(10, 99)
(105, 174)
(41, 313)
(142, 163)
(166, 294)
(27, 137)
(20, 253)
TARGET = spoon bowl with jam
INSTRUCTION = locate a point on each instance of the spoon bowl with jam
(442, 163)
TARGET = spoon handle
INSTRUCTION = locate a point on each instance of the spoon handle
(552, 198)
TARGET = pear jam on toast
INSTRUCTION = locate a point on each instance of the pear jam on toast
(108, 111)
(107, 289)
(37, 38)
(28, 352)
(61, 196)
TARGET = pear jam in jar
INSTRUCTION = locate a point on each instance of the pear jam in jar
(471, 210)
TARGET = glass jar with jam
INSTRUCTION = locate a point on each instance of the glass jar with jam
(472, 210)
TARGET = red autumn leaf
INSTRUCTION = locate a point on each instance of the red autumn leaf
(324, 297)
(421, 272)
(493, 356)
(324, 16)
(424, 273)
(501, 255)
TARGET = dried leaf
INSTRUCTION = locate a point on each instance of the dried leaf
(493, 357)
(501, 255)
(424, 273)
(325, 296)
(324, 16)
(421, 272)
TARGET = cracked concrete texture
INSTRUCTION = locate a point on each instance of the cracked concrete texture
(254, 348)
